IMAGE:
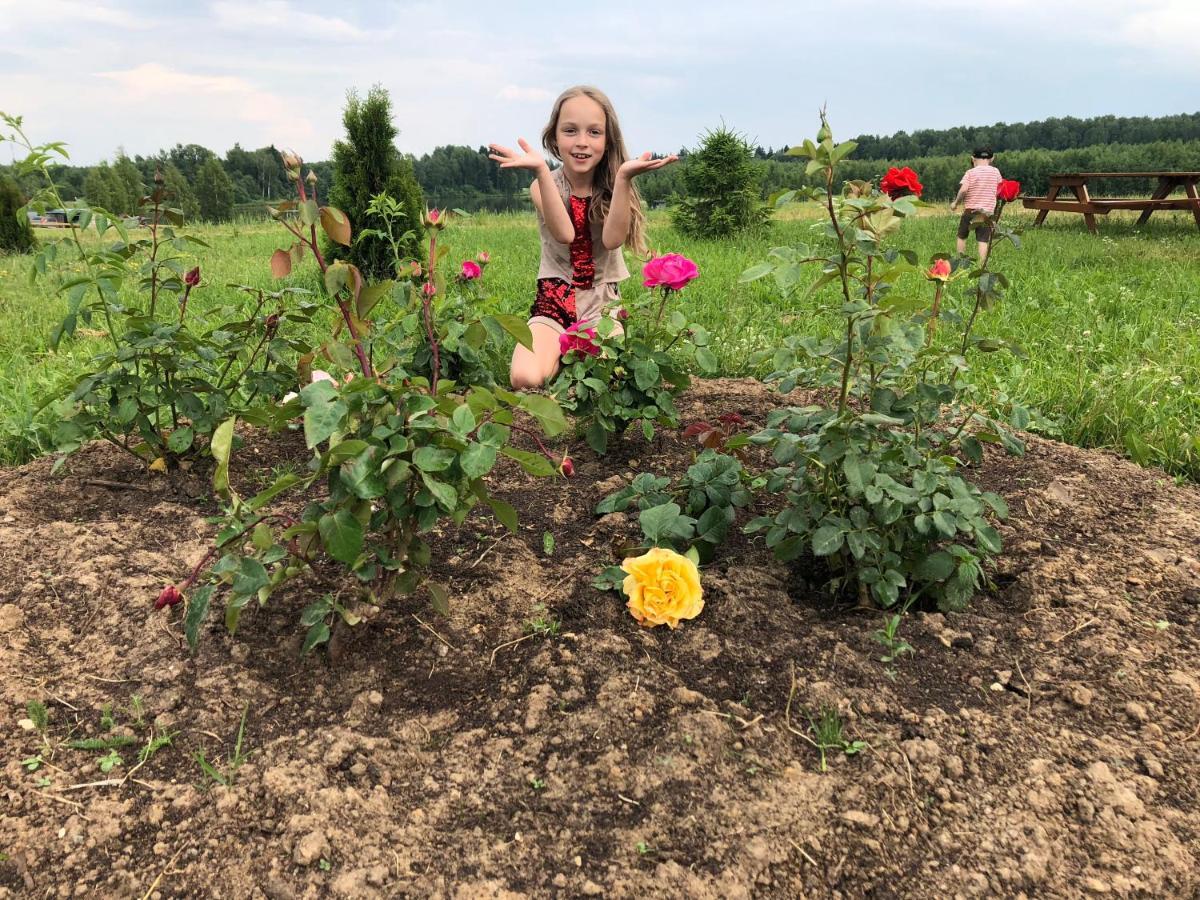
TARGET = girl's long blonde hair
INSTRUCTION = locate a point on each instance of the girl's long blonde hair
(604, 177)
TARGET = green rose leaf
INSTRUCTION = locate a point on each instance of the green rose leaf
(342, 536)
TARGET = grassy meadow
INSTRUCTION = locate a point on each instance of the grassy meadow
(1110, 325)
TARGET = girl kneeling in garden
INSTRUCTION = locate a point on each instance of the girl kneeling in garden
(587, 209)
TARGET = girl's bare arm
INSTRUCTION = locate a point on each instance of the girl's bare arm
(616, 224)
(558, 220)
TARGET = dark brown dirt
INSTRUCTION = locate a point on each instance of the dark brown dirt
(1047, 743)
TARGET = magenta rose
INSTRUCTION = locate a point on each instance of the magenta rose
(471, 270)
(671, 270)
(581, 339)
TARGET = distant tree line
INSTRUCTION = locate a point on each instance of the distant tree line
(206, 186)
(1066, 133)
(216, 188)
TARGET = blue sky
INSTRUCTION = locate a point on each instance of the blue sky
(144, 75)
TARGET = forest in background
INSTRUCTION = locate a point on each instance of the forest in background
(240, 183)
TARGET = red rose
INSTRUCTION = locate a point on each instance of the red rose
(169, 597)
(1008, 190)
(899, 183)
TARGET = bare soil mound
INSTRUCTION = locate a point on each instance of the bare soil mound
(1047, 743)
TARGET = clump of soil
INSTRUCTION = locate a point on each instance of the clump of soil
(1046, 743)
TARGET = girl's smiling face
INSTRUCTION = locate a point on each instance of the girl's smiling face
(580, 134)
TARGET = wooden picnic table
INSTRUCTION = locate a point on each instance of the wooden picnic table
(1084, 204)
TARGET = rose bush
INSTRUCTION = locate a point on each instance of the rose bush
(632, 371)
(396, 450)
(662, 587)
(872, 483)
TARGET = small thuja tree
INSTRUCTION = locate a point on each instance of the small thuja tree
(16, 234)
(366, 164)
(396, 447)
(721, 189)
(872, 483)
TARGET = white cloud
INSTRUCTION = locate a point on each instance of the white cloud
(524, 94)
(16, 14)
(282, 20)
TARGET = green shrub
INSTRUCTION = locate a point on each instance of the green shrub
(721, 188)
(872, 484)
(365, 165)
(16, 235)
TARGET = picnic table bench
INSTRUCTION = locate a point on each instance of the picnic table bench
(1084, 204)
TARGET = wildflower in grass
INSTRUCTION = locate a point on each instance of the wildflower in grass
(671, 270)
(901, 182)
(169, 597)
(471, 270)
(663, 588)
(581, 339)
(1008, 190)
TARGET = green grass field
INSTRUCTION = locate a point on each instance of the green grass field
(1110, 324)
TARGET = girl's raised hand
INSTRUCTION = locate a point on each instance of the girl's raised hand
(644, 163)
(512, 159)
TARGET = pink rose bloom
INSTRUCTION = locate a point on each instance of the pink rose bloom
(581, 339)
(670, 270)
(471, 270)
(939, 271)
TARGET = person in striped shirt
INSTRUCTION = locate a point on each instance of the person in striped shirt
(977, 193)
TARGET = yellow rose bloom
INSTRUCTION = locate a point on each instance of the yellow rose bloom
(663, 587)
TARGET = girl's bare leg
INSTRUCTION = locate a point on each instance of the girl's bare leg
(533, 368)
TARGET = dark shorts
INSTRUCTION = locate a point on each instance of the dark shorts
(983, 233)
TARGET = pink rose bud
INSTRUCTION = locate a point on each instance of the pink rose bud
(429, 289)
(434, 215)
(192, 278)
(169, 597)
(483, 258)
(414, 269)
(567, 467)
(471, 270)
(622, 314)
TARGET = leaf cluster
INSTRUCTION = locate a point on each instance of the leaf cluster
(636, 376)
(697, 511)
